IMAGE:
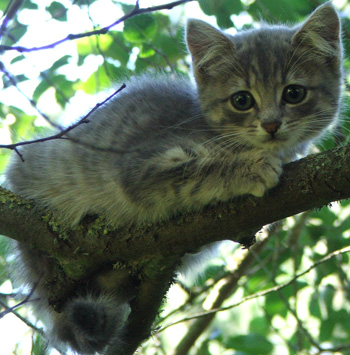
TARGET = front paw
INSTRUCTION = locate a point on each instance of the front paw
(264, 174)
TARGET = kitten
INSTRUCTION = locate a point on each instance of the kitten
(165, 145)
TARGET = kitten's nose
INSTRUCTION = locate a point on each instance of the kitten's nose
(271, 127)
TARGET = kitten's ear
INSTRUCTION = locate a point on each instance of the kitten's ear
(321, 31)
(207, 45)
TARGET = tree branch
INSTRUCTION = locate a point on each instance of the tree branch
(228, 288)
(312, 182)
(10, 13)
(153, 252)
(62, 134)
(276, 288)
(134, 12)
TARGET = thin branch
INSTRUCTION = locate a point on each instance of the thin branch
(229, 287)
(30, 100)
(30, 325)
(301, 326)
(336, 349)
(10, 13)
(261, 293)
(24, 320)
(63, 132)
(25, 300)
(134, 12)
(294, 236)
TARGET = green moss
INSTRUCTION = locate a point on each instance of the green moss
(12, 200)
(119, 266)
(56, 226)
(98, 227)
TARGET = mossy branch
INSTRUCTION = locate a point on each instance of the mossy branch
(312, 182)
(153, 252)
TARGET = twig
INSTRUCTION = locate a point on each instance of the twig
(301, 326)
(26, 299)
(294, 236)
(29, 324)
(336, 349)
(230, 286)
(261, 293)
(10, 13)
(24, 320)
(31, 101)
(134, 12)
(63, 132)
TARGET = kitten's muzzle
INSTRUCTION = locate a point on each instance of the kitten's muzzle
(271, 127)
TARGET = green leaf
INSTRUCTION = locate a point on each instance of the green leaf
(282, 10)
(327, 295)
(314, 306)
(146, 51)
(250, 344)
(118, 48)
(81, 59)
(60, 62)
(40, 89)
(274, 302)
(84, 46)
(4, 158)
(3, 5)
(65, 89)
(326, 331)
(83, 2)
(18, 59)
(203, 350)
(4, 247)
(30, 5)
(140, 66)
(126, 8)
(172, 47)
(222, 9)
(39, 346)
(18, 30)
(259, 325)
(104, 77)
(18, 78)
(57, 11)
(4, 251)
(22, 128)
(139, 29)
(215, 7)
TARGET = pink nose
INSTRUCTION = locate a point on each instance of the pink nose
(271, 127)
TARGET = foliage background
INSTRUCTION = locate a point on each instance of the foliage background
(62, 82)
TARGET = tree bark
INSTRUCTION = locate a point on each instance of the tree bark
(153, 252)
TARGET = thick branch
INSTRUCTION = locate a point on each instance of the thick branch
(311, 182)
(156, 250)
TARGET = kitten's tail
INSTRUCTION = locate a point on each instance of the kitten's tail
(90, 324)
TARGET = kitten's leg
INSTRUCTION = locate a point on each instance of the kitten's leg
(180, 178)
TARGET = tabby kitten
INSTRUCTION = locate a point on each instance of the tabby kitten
(165, 145)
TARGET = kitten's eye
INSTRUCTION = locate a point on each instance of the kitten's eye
(294, 94)
(242, 100)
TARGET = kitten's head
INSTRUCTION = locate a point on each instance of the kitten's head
(273, 88)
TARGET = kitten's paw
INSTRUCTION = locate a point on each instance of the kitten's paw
(265, 175)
